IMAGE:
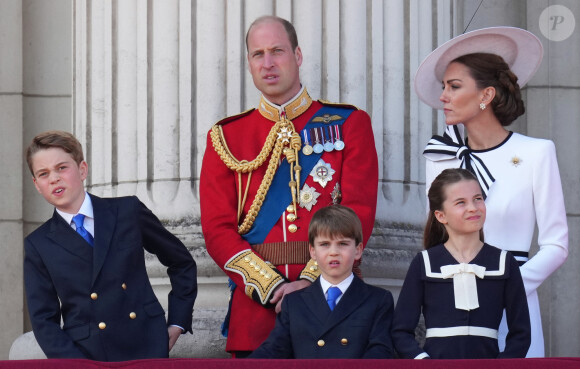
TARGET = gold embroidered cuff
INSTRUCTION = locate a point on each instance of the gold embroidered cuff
(310, 271)
(260, 277)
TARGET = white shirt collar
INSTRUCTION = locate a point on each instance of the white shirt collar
(86, 209)
(342, 285)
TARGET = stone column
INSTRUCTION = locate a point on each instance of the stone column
(401, 36)
(553, 112)
(11, 291)
(139, 96)
(40, 82)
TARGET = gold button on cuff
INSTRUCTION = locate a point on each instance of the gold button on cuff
(132, 315)
(94, 296)
(102, 325)
(290, 208)
(124, 286)
(292, 228)
(344, 341)
(321, 343)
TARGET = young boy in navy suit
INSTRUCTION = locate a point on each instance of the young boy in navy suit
(86, 266)
(316, 322)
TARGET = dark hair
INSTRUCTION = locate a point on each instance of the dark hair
(288, 27)
(335, 220)
(490, 70)
(435, 232)
(59, 139)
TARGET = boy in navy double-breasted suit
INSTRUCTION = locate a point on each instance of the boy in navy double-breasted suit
(85, 266)
(356, 324)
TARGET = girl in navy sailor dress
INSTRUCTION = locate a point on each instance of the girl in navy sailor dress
(459, 283)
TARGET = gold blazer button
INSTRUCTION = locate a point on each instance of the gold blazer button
(321, 343)
(102, 325)
(132, 315)
(344, 341)
(94, 296)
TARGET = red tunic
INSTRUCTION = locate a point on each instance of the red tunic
(356, 170)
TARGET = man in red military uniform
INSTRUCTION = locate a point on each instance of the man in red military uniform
(265, 173)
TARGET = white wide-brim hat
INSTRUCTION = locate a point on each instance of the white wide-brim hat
(520, 49)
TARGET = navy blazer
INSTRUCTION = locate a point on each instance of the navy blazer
(103, 294)
(358, 327)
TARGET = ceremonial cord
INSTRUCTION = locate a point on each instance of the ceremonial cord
(273, 144)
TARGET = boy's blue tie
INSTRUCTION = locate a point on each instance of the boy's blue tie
(332, 295)
(79, 220)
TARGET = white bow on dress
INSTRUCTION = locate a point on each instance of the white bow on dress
(464, 285)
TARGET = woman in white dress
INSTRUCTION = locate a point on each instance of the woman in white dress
(476, 78)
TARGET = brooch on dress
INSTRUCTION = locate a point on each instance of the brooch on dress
(516, 161)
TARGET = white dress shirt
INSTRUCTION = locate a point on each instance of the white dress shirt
(342, 286)
(87, 210)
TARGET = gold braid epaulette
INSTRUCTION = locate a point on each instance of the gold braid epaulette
(340, 105)
(244, 166)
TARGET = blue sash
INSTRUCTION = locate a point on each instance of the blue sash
(279, 196)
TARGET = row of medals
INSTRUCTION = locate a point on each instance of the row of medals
(330, 137)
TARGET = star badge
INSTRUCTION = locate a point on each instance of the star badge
(322, 173)
(308, 197)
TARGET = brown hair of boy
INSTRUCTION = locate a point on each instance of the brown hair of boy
(435, 232)
(59, 139)
(335, 221)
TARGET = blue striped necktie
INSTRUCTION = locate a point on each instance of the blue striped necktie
(79, 220)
